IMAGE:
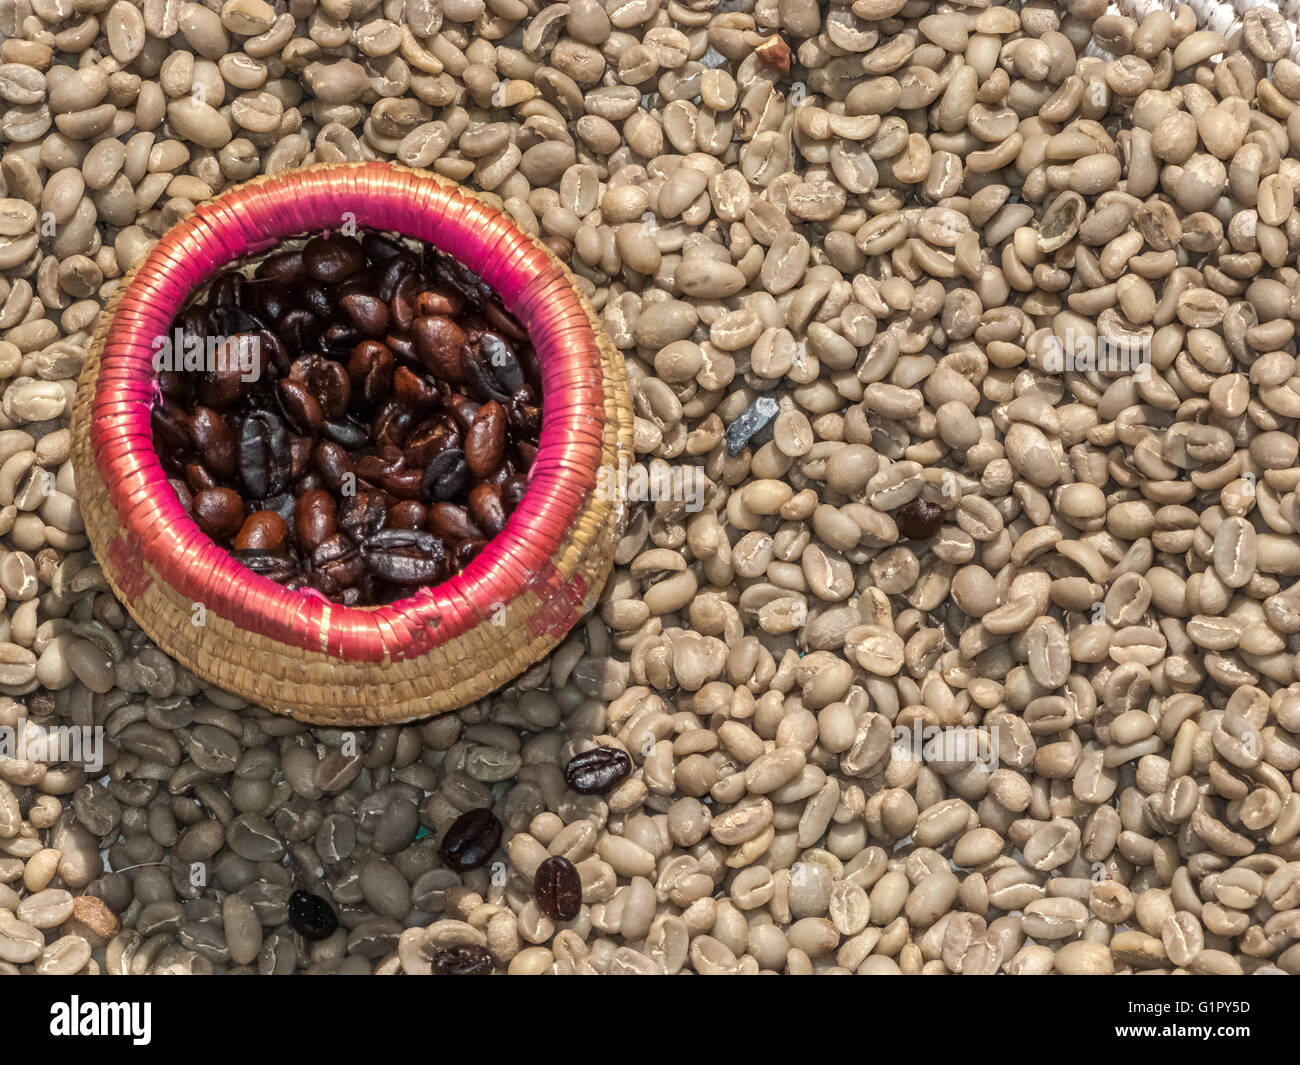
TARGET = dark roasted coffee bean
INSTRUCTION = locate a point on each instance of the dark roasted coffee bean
(479, 377)
(598, 770)
(463, 959)
(338, 340)
(338, 561)
(446, 477)
(485, 443)
(919, 519)
(403, 347)
(404, 484)
(417, 393)
(368, 313)
(431, 438)
(404, 556)
(501, 360)
(328, 381)
(408, 514)
(176, 385)
(331, 461)
(182, 491)
(470, 840)
(438, 341)
(346, 433)
(299, 329)
(391, 275)
(393, 425)
(401, 307)
(370, 369)
(380, 248)
(465, 552)
(450, 521)
(281, 504)
(300, 449)
(199, 477)
(263, 530)
(485, 506)
(268, 564)
(362, 515)
(219, 512)
(235, 372)
(503, 321)
(171, 429)
(433, 301)
(463, 409)
(299, 406)
(332, 258)
(557, 887)
(282, 266)
(264, 459)
(375, 467)
(525, 418)
(311, 916)
(315, 519)
(512, 493)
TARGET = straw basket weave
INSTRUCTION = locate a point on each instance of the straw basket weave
(295, 652)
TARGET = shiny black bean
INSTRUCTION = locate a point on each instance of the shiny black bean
(557, 887)
(471, 840)
(598, 770)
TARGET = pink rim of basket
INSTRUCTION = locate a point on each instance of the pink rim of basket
(532, 286)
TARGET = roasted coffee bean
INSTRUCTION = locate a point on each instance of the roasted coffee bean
(485, 506)
(370, 370)
(451, 521)
(363, 393)
(485, 443)
(311, 916)
(346, 433)
(404, 556)
(446, 477)
(368, 313)
(171, 430)
(408, 514)
(438, 341)
(263, 530)
(301, 409)
(471, 840)
(215, 442)
(277, 567)
(332, 258)
(596, 771)
(364, 514)
(264, 460)
(465, 551)
(558, 888)
(328, 381)
(919, 519)
(315, 519)
(464, 959)
(219, 512)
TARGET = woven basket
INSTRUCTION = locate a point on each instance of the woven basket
(296, 652)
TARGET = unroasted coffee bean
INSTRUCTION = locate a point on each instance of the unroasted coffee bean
(470, 841)
(919, 519)
(464, 959)
(311, 916)
(377, 381)
(597, 770)
(558, 888)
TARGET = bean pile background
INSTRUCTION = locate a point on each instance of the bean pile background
(888, 217)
